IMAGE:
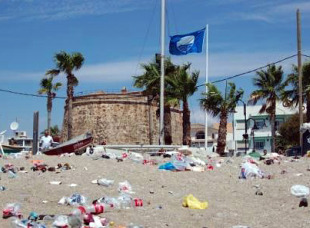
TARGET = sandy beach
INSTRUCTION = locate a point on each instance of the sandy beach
(232, 201)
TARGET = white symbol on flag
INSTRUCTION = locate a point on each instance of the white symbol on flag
(185, 43)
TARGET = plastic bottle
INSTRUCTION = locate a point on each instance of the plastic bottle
(2, 188)
(12, 174)
(17, 223)
(91, 209)
(127, 202)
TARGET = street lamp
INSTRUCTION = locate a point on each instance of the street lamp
(245, 135)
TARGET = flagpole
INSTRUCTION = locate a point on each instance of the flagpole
(207, 79)
(162, 74)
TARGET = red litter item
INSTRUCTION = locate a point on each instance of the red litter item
(124, 155)
(10, 210)
(210, 167)
(138, 202)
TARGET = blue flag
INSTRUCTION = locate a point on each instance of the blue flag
(187, 43)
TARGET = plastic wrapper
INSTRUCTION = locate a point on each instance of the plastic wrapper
(125, 187)
(300, 190)
(193, 203)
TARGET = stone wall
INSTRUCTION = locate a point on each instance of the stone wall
(124, 118)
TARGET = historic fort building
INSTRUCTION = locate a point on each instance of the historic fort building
(121, 118)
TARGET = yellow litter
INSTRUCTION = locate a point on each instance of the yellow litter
(193, 203)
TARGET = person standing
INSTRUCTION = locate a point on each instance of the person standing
(46, 141)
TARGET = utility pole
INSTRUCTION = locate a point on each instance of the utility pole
(299, 75)
(162, 75)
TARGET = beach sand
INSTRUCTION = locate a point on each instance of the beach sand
(232, 201)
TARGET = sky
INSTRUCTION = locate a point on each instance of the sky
(116, 36)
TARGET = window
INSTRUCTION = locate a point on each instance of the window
(259, 145)
(200, 135)
(240, 125)
(260, 124)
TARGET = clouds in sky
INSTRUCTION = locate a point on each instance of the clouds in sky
(220, 65)
(263, 10)
(62, 9)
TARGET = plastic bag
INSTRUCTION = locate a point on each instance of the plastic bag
(136, 157)
(167, 166)
(12, 209)
(300, 190)
(125, 187)
(105, 182)
(250, 170)
(74, 200)
(193, 203)
(61, 221)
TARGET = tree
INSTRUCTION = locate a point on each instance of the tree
(218, 105)
(289, 131)
(290, 97)
(181, 86)
(270, 89)
(150, 82)
(67, 63)
(48, 88)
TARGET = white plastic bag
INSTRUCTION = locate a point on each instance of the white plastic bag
(105, 182)
(249, 170)
(125, 187)
(300, 190)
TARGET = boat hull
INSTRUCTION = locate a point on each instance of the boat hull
(73, 147)
(10, 149)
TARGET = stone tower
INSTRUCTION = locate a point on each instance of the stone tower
(120, 118)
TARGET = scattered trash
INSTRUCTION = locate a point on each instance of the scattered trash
(167, 166)
(74, 200)
(2, 188)
(12, 210)
(249, 170)
(105, 182)
(259, 192)
(55, 182)
(193, 203)
(303, 202)
(300, 190)
(11, 174)
(72, 185)
(125, 187)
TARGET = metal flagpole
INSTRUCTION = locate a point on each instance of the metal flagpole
(207, 79)
(299, 75)
(162, 75)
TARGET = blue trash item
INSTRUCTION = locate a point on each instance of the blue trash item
(167, 166)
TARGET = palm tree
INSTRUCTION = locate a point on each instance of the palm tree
(270, 88)
(150, 82)
(48, 88)
(182, 85)
(290, 96)
(218, 105)
(67, 63)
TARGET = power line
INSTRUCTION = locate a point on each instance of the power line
(250, 71)
(306, 55)
(27, 94)
(221, 80)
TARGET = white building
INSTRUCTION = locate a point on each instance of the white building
(198, 137)
(262, 136)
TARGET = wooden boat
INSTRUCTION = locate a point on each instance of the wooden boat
(74, 145)
(12, 149)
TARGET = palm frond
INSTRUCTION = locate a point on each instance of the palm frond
(52, 72)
